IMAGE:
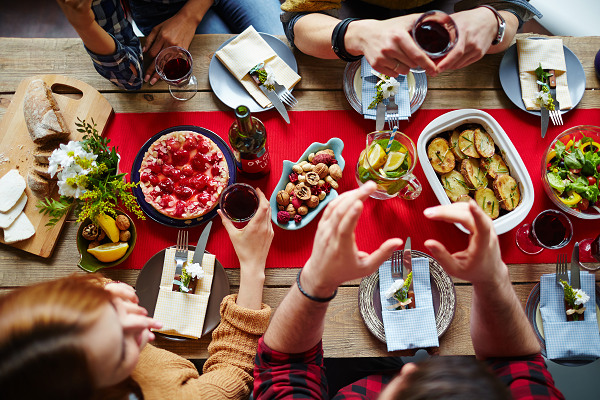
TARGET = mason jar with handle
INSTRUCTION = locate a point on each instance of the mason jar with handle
(390, 166)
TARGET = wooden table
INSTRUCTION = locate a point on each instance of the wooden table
(477, 86)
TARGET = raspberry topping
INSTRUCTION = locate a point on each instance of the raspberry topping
(181, 157)
(283, 217)
(166, 185)
(190, 144)
(203, 198)
(183, 193)
(204, 147)
(179, 209)
(187, 170)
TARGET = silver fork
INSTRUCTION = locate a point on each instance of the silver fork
(391, 113)
(556, 117)
(561, 268)
(181, 251)
(396, 265)
(285, 95)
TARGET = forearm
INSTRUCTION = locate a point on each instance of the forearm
(499, 326)
(195, 10)
(512, 24)
(251, 287)
(313, 35)
(96, 39)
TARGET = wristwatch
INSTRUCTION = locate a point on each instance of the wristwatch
(501, 25)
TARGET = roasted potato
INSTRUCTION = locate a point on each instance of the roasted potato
(487, 200)
(494, 166)
(484, 144)
(507, 192)
(466, 143)
(441, 158)
(459, 155)
(474, 175)
(454, 185)
(463, 197)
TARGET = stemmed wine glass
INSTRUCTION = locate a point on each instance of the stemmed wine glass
(174, 65)
(589, 254)
(435, 33)
(551, 229)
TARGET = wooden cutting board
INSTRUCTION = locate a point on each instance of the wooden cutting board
(16, 148)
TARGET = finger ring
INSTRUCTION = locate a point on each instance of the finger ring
(396, 67)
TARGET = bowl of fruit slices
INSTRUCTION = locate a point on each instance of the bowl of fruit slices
(571, 171)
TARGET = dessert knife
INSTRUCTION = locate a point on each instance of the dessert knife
(271, 95)
(545, 119)
(406, 261)
(380, 119)
(199, 252)
(575, 283)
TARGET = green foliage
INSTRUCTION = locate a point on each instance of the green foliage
(56, 209)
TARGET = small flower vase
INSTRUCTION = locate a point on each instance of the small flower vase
(571, 317)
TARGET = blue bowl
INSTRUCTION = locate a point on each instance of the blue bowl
(334, 144)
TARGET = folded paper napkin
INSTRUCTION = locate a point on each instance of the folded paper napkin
(369, 81)
(413, 328)
(551, 55)
(246, 51)
(574, 340)
(182, 314)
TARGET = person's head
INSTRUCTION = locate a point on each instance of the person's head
(64, 339)
(447, 378)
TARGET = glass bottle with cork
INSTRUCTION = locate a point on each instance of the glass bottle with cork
(248, 140)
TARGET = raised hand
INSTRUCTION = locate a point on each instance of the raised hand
(78, 12)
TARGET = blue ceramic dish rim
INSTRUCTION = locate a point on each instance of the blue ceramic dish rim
(287, 166)
(530, 309)
(139, 195)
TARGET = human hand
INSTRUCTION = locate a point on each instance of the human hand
(135, 321)
(477, 29)
(481, 261)
(388, 45)
(335, 257)
(178, 30)
(78, 12)
(252, 242)
(126, 293)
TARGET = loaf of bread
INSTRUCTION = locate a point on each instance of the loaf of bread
(42, 115)
(42, 153)
(41, 169)
(40, 186)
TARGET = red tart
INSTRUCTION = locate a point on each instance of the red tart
(183, 174)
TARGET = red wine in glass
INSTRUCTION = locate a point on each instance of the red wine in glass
(432, 37)
(176, 68)
(239, 202)
(551, 229)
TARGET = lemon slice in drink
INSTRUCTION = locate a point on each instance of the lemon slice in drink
(377, 156)
(394, 161)
(109, 252)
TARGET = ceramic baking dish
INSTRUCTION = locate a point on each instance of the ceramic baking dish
(453, 119)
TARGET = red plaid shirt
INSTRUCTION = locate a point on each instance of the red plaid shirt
(302, 376)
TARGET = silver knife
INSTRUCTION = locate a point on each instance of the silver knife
(545, 119)
(552, 85)
(406, 261)
(271, 95)
(575, 283)
(380, 119)
(199, 252)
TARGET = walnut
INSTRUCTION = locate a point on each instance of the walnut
(90, 232)
(124, 236)
(291, 210)
(302, 191)
(280, 207)
(93, 244)
(290, 187)
(321, 169)
(297, 169)
(327, 151)
(101, 235)
(322, 196)
(312, 178)
(283, 198)
(335, 171)
(303, 210)
(312, 202)
(332, 182)
(311, 156)
(307, 167)
(122, 222)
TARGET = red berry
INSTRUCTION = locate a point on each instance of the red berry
(204, 147)
(166, 185)
(165, 200)
(153, 180)
(190, 144)
(584, 204)
(199, 181)
(598, 167)
(145, 177)
(187, 170)
(179, 209)
(175, 174)
(166, 169)
(163, 156)
(211, 187)
(549, 166)
(216, 156)
(199, 162)
(203, 197)
(173, 144)
(592, 180)
(183, 192)
(216, 171)
(155, 168)
(181, 157)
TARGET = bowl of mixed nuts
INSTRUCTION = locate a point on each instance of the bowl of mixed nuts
(307, 185)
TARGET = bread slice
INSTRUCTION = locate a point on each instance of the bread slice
(42, 153)
(40, 186)
(20, 229)
(12, 186)
(41, 169)
(7, 218)
(42, 115)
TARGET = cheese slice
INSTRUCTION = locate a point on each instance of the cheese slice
(12, 186)
(7, 218)
(19, 230)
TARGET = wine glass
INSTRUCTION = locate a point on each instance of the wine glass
(435, 33)
(589, 254)
(239, 202)
(174, 65)
(551, 229)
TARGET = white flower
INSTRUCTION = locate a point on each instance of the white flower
(195, 271)
(542, 98)
(580, 297)
(71, 190)
(65, 156)
(394, 288)
(390, 87)
(270, 80)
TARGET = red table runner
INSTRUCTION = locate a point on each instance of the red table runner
(381, 219)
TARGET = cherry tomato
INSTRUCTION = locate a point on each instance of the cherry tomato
(598, 167)
(575, 171)
(584, 204)
(591, 180)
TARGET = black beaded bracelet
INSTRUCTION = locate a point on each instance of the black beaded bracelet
(337, 41)
(313, 298)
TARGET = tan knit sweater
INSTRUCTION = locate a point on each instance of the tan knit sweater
(227, 372)
(322, 5)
